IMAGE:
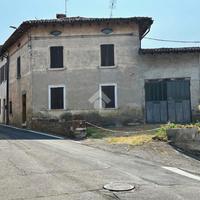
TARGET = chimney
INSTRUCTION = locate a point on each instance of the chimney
(60, 16)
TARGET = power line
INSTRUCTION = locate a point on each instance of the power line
(170, 40)
(174, 41)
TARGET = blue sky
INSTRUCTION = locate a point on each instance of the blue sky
(173, 19)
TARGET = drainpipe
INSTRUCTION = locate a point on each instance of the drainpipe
(7, 90)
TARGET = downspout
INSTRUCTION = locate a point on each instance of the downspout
(7, 90)
(142, 36)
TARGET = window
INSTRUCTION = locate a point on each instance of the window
(18, 68)
(56, 97)
(107, 55)
(56, 54)
(10, 107)
(3, 73)
(108, 95)
(0, 106)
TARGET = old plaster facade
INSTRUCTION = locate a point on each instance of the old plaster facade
(82, 76)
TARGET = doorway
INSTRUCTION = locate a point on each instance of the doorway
(168, 100)
(24, 109)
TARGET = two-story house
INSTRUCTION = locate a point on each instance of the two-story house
(96, 64)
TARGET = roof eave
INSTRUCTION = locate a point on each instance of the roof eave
(26, 25)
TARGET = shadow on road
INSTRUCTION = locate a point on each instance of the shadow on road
(192, 154)
(9, 133)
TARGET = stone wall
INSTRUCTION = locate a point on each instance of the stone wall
(69, 129)
(187, 139)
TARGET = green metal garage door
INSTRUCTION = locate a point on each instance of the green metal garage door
(168, 100)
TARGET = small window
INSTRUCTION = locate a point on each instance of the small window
(18, 68)
(56, 98)
(107, 55)
(1, 75)
(56, 54)
(10, 107)
(0, 106)
(108, 96)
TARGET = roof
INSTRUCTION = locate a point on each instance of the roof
(144, 24)
(170, 50)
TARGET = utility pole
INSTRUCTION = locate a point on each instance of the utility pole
(112, 7)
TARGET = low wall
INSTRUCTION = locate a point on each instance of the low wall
(187, 139)
(70, 129)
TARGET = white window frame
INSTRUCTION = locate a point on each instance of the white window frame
(115, 57)
(49, 96)
(100, 95)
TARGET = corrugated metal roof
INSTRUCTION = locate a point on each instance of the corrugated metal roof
(144, 22)
(170, 50)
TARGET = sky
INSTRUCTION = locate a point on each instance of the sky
(173, 19)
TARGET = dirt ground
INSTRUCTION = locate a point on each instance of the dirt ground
(158, 152)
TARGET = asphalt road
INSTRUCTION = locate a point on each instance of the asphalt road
(39, 167)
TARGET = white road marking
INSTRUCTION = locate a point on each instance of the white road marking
(183, 173)
(36, 132)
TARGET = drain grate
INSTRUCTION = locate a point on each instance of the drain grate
(118, 187)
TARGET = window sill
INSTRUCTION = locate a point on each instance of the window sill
(109, 109)
(57, 69)
(57, 110)
(108, 67)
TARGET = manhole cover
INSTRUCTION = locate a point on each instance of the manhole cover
(118, 187)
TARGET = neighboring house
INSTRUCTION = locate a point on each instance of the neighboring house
(3, 89)
(97, 64)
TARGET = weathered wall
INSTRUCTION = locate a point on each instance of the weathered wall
(82, 73)
(187, 139)
(181, 65)
(23, 85)
(3, 87)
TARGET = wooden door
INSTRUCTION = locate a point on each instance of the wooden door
(24, 108)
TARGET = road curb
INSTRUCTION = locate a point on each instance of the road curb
(31, 131)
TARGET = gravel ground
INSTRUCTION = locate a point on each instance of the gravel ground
(158, 152)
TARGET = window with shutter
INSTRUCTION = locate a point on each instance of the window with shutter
(56, 55)
(10, 107)
(1, 78)
(107, 55)
(56, 98)
(18, 68)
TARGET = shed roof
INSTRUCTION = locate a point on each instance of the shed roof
(170, 50)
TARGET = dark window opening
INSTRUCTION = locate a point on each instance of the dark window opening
(10, 107)
(56, 54)
(108, 96)
(107, 55)
(18, 67)
(3, 74)
(57, 98)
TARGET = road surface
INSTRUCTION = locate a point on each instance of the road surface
(39, 167)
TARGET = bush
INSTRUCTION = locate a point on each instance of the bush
(66, 116)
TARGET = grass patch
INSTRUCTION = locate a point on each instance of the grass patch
(138, 139)
(131, 140)
(96, 133)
